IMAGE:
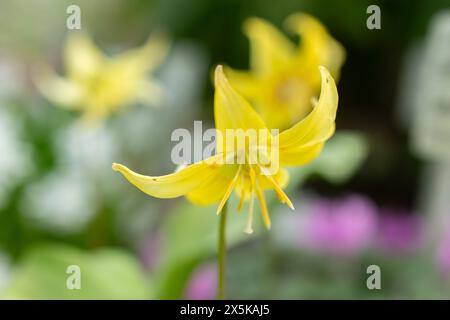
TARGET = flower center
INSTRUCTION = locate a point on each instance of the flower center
(289, 89)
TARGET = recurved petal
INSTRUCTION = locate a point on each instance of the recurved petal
(58, 90)
(317, 126)
(81, 57)
(317, 46)
(231, 110)
(176, 184)
(299, 156)
(269, 48)
(147, 57)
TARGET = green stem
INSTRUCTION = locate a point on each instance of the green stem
(221, 254)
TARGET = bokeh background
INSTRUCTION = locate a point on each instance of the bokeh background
(369, 199)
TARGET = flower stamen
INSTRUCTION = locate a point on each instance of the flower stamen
(244, 193)
(261, 199)
(248, 227)
(229, 190)
(278, 190)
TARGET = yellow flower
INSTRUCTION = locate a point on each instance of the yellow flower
(97, 84)
(213, 179)
(283, 78)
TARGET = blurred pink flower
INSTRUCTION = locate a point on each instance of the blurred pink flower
(150, 251)
(341, 227)
(203, 283)
(443, 255)
(398, 231)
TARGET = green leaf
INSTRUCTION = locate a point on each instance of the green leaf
(342, 156)
(105, 274)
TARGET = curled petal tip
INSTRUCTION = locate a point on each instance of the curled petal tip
(248, 231)
(218, 74)
(256, 27)
(325, 74)
(298, 19)
(220, 79)
(219, 69)
(249, 23)
(116, 166)
(322, 69)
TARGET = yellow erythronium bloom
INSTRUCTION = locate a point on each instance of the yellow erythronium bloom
(97, 84)
(213, 179)
(283, 78)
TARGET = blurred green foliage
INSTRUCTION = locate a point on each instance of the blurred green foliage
(109, 247)
(104, 274)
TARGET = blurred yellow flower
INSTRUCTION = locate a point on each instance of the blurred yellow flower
(213, 179)
(98, 85)
(283, 78)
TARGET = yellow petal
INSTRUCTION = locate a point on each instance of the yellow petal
(317, 46)
(244, 82)
(82, 59)
(214, 187)
(59, 90)
(318, 126)
(269, 48)
(299, 156)
(176, 184)
(146, 57)
(231, 110)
